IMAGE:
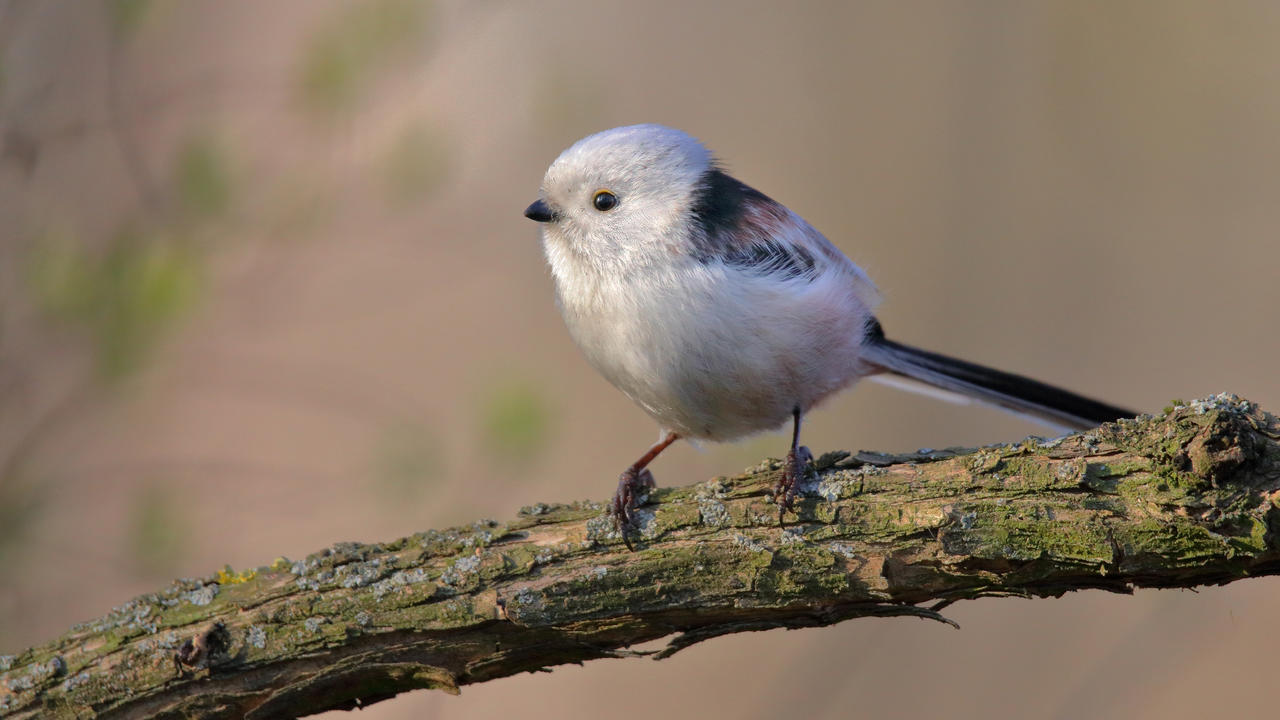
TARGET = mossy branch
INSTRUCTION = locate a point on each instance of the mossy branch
(1188, 498)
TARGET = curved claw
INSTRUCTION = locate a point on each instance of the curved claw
(632, 484)
(794, 468)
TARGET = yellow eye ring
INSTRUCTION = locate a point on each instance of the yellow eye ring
(604, 200)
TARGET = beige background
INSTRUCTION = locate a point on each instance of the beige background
(265, 285)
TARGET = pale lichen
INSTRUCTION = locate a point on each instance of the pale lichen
(76, 681)
(749, 543)
(359, 574)
(601, 529)
(711, 511)
(398, 579)
(844, 549)
(256, 637)
(460, 572)
(646, 522)
(202, 595)
(792, 535)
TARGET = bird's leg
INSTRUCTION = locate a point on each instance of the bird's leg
(634, 481)
(793, 468)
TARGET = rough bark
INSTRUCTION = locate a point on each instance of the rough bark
(1190, 497)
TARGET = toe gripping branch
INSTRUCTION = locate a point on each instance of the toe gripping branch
(794, 469)
(633, 485)
(797, 464)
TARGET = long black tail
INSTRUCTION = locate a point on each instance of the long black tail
(1012, 392)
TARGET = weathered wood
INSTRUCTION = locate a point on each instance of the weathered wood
(1188, 498)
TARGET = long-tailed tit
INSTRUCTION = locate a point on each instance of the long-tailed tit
(721, 312)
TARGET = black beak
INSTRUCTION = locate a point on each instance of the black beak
(539, 211)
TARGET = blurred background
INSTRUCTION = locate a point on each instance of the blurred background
(265, 285)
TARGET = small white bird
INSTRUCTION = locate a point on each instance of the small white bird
(721, 312)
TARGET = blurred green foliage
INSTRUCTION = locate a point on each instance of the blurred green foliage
(128, 15)
(357, 42)
(156, 541)
(123, 298)
(202, 177)
(516, 422)
(416, 163)
(407, 460)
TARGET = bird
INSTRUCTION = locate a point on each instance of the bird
(722, 313)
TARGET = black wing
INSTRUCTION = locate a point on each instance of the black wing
(741, 227)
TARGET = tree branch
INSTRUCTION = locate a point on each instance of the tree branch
(1184, 499)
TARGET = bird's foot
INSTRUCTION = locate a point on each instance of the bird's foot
(632, 485)
(794, 468)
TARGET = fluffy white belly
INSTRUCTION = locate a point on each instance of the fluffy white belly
(715, 353)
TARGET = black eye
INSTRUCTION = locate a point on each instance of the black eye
(604, 200)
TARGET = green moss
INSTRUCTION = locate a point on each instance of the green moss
(877, 521)
(1014, 532)
(1121, 468)
(519, 560)
(185, 614)
(1255, 542)
(806, 569)
(552, 514)
(1183, 544)
(673, 516)
(826, 513)
(1029, 539)
(1033, 475)
(451, 613)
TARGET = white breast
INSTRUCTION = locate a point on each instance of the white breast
(711, 351)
